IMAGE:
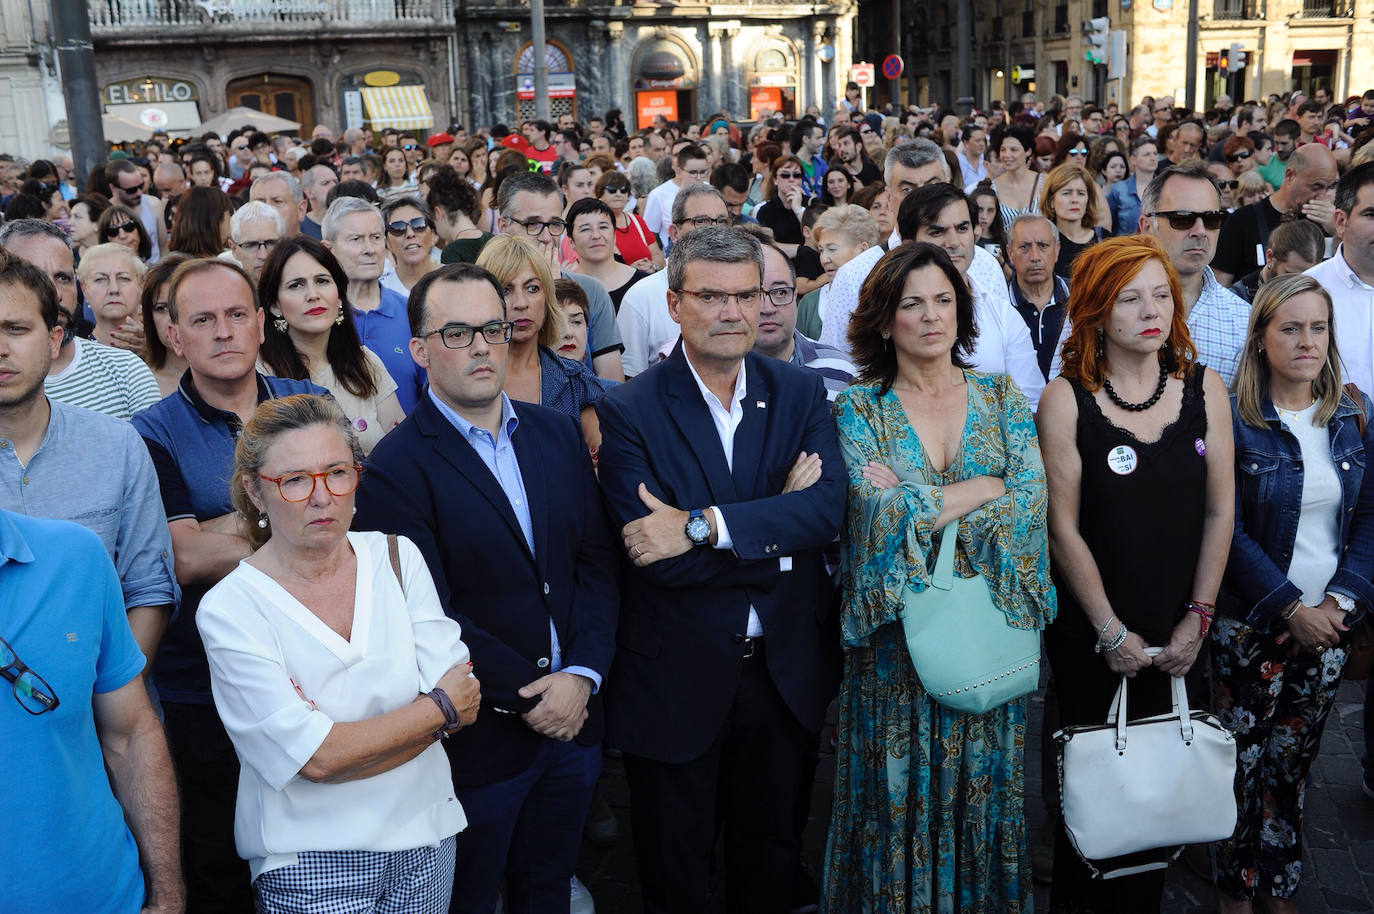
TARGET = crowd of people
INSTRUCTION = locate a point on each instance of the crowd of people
(439, 469)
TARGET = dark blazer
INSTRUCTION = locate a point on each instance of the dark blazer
(682, 620)
(425, 481)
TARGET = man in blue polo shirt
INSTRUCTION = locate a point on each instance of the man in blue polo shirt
(217, 326)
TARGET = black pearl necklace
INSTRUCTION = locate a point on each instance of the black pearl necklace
(1137, 407)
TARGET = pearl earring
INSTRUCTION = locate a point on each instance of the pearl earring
(262, 522)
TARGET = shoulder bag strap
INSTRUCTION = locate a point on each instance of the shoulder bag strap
(393, 548)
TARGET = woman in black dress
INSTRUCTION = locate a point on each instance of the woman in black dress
(1138, 454)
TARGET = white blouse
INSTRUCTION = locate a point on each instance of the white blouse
(1316, 548)
(281, 677)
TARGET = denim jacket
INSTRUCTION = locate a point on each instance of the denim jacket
(1269, 478)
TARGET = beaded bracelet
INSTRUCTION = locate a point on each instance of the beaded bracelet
(1119, 640)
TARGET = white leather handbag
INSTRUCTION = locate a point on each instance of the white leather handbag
(1158, 782)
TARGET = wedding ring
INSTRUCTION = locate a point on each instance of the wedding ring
(1321, 648)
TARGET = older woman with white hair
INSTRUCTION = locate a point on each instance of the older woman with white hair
(643, 175)
(254, 229)
(112, 279)
(841, 233)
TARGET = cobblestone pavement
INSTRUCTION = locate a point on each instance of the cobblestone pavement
(1338, 829)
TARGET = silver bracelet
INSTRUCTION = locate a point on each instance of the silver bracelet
(1116, 642)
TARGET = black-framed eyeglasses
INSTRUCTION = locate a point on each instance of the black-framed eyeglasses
(1180, 220)
(781, 295)
(398, 228)
(252, 247)
(534, 226)
(1239, 156)
(703, 221)
(712, 298)
(31, 690)
(460, 336)
(338, 481)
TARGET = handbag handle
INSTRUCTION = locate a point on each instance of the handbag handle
(943, 576)
(1117, 714)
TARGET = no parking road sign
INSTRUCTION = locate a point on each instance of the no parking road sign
(893, 66)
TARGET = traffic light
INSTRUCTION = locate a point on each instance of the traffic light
(1237, 58)
(1224, 62)
(1095, 37)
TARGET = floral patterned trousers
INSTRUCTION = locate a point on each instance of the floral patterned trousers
(1276, 706)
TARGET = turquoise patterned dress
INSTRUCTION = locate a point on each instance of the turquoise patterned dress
(929, 813)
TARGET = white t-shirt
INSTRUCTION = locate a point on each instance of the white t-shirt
(281, 677)
(644, 322)
(658, 210)
(1316, 552)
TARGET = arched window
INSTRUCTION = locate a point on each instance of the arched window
(562, 81)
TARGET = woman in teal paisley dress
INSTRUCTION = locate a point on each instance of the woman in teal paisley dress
(928, 812)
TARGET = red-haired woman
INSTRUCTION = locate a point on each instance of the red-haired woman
(1138, 455)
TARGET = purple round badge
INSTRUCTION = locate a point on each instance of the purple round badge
(1200, 446)
(361, 424)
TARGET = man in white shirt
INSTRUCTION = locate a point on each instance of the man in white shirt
(691, 168)
(645, 325)
(1348, 276)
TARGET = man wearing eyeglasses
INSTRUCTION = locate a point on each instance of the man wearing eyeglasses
(126, 188)
(254, 230)
(531, 205)
(645, 323)
(502, 501)
(217, 327)
(1308, 192)
(691, 168)
(722, 473)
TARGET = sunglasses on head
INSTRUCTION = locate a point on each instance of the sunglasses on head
(1180, 220)
(399, 227)
(116, 228)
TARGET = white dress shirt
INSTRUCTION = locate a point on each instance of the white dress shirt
(1004, 344)
(645, 326)
(658, 210)
(281, 678)
(727, 421)
(1352, 302)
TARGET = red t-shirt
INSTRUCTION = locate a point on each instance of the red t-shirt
(632, 242)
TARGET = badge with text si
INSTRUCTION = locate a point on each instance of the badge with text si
(1121, 460)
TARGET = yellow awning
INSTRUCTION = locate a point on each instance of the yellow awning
(402, 107)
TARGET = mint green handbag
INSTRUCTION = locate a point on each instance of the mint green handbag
(966, 654)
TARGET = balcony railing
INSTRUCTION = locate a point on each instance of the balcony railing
(1327, 9)
(1233, 10)
(113, 16)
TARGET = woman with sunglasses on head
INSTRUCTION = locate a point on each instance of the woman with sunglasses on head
(784, 203)
(1068, 201)
(637, 246)
(121, 225)
(1298, 578)
(309, 334)
(534, 372)
(410, 237)
(1074, 149)
(337, 675)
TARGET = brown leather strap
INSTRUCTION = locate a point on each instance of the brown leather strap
(393, 546)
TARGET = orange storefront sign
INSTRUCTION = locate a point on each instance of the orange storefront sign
(651, 104)
(764, 100)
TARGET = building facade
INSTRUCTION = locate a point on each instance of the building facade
(31, 107)
(176, 63)
(1040, 45)
(686, 62)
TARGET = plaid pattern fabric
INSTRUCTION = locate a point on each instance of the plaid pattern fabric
(417, 881)
(1217, 324)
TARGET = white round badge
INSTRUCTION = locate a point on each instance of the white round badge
(1121, 460)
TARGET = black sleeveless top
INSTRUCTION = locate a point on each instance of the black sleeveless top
(1141, 514)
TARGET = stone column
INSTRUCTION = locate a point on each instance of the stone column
(712, 89)
(731, 70)
(615, 91)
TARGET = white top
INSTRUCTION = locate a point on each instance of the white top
(361, 413)
(281, 677)
(658, 209)
(104, 379)
(1353, 307)
(1003, 345)
(1316, 550)
(644, 323)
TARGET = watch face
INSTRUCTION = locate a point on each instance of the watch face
(698, 530)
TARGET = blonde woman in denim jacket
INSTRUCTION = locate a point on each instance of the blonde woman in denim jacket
(1299, 575)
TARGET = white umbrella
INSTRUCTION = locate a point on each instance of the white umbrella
(239, 117)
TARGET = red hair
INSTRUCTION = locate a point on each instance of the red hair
(1099, 275)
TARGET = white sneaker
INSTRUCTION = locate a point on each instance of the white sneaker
(580, 900)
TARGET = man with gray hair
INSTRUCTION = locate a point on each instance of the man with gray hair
(317, 180)
(530, 206)
(354, 233)
(283, 193)
(645, 323)
(254, 230)
(720, 468)
(1041, 297)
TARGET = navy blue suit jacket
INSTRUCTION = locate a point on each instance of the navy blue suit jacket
(425, 481)
(678, 660)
